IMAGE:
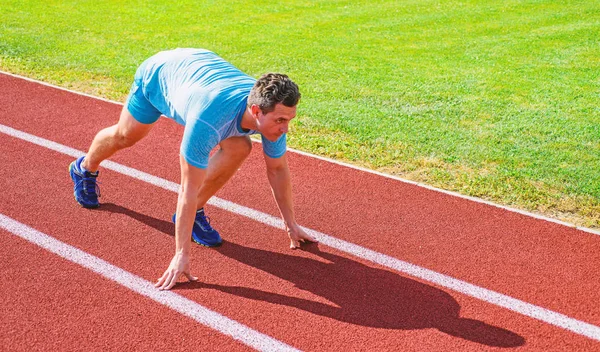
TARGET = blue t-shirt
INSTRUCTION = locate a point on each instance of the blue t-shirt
(206, 94)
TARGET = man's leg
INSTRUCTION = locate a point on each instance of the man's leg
(84, 170)
(125, 133)
(222, 165)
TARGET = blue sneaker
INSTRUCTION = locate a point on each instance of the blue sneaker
(202, 232)
(86, 191)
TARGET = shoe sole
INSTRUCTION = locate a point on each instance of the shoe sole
(207, 245)
(71, 166)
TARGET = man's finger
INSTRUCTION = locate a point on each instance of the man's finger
(173, 281)
(190, 277)
(310, 238)
(161, 280)
(167, 281)
(294, 244)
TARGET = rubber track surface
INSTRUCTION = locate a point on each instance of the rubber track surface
(317, 299)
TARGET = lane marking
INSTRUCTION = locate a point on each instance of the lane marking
(499, 299)
(455, 194)
(176, 302)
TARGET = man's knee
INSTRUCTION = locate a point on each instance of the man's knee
(246, 148)
(129, 131)
(241, 146)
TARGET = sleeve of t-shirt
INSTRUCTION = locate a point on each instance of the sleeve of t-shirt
(274, 149)
(199, 138)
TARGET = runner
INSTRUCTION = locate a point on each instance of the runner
(218, 105)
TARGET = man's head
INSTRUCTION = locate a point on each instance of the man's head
(273, 101)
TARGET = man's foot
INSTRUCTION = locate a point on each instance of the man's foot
(86, 190)
(202, 232)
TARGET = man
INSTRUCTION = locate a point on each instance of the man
(218, 105)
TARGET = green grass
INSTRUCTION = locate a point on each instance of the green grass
(495, 99)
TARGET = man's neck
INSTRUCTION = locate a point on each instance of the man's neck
(248, 122)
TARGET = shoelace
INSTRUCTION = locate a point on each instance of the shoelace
(90, 186)
(204, 222)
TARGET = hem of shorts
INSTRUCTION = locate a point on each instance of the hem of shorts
(277, 156)
(195, 164)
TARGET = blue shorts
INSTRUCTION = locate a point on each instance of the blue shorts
(137, 104)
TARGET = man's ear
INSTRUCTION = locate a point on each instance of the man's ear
(255, 109)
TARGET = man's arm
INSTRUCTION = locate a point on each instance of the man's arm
(278, 174)
(187, 201)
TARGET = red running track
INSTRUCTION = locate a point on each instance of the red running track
(319, 299)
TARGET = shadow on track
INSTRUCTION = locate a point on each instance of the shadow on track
(166, 227)
(363, 295)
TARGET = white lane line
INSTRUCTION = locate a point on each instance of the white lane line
(451, 193)
(499, 299)
(454, 194)
(145, 288)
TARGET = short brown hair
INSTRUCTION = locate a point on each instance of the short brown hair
(272, 89)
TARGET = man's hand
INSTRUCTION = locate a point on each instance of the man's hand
(297, 235)
(180, 264)
(278, 173)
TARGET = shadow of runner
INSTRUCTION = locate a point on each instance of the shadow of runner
(362, 295)
(166, 227)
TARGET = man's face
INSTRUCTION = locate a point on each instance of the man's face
(275, 123)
